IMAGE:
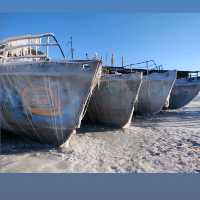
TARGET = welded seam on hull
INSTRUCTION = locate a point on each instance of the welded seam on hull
(172, 84)
(134, 102)
(90, 92)
(168, 96)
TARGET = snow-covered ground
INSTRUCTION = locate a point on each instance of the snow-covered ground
(167, 142)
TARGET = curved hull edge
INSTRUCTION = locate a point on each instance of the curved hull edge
(154, 92)
(183, 94)
(113, 102)
(46, 101)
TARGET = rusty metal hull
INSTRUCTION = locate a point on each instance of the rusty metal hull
(183, 92)
(45, 100)
(154, 92)
(112, 102)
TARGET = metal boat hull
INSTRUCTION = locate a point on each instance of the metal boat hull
(112, 103)
(154, 92)
(183, 92)
(45, 100)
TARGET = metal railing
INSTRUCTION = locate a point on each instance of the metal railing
(193, 75)
(6, 49)
(148, 65)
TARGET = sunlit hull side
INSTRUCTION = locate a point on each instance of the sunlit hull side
(155, 90)
(112, 103)
(183, 92)
(46, 100)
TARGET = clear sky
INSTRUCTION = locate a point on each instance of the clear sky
(171, 39)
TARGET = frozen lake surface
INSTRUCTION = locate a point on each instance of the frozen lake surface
(166, 142)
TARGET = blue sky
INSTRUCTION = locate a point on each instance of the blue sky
(171, 39)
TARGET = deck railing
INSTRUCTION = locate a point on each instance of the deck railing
(28, 47)
(146, 65)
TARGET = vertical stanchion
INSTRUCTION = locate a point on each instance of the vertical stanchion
(122, 61)
(112, 60)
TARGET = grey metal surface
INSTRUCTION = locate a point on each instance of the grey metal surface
(112, 103)
(154, 92)
(183, 92)
(46, 100)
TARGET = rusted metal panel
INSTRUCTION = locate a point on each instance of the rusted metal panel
(112, 103)
(154, 91)
(45, 100)
(183, 92)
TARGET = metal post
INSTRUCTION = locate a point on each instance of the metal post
(122, 61)
(47, 47)
(112, 60)
(147, 63)
(106, 59)
(71, 48)
(86, 55)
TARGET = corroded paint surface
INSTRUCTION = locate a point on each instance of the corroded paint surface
(183, 92)
(112, 103)
(45, 100)
(154, 92)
